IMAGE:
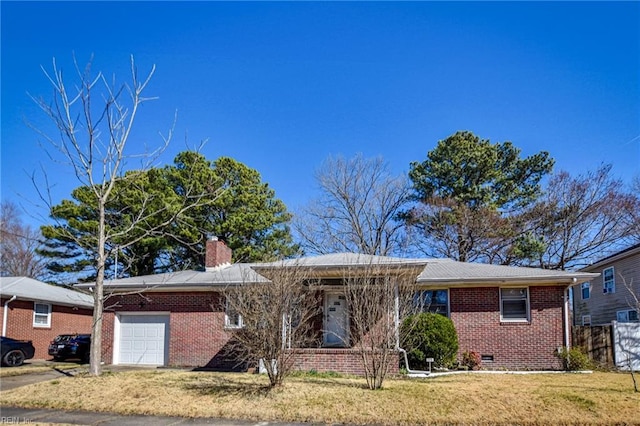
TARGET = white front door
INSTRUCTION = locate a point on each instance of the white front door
(336, 320)
(143, 339)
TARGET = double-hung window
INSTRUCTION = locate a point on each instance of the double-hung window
(586, 290)
(41, 314)
(608, 281)
(514, 304)
(232, 318)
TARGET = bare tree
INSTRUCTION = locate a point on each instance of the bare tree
(450, 229)
(274, 318)
(94, 119)
(579, 218)
(632, 213)
(356, 210)
(377, 295)
(18, 245)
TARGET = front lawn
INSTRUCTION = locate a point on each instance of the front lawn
(599, 398)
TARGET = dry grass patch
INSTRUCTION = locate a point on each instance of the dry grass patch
(36, 368)
(599, 398)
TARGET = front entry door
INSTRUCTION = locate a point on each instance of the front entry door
(336, 320)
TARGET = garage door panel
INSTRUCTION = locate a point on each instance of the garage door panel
(142, 339)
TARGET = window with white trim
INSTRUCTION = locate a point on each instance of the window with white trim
(41, 314)
(608, 281)
(436, 301)
(585, 290)
(232, 318)
(628, 315)
(514, 304)
(586, 320)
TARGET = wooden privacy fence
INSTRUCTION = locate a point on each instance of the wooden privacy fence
(616, 345)
(597, 342)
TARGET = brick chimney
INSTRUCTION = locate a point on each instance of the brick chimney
(217, 254)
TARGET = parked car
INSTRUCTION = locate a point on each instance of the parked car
(66, 346)
(13, 352)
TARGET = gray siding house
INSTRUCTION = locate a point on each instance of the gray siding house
(613, 295)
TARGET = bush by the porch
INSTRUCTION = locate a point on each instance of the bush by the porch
(429, 335)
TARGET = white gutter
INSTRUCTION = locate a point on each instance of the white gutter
(5, 314)
(410, 372)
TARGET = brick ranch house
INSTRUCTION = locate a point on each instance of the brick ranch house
(37, 311)
(516, 318)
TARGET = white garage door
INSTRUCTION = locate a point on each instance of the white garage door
(143, 339)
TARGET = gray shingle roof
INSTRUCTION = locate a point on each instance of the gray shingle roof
(29, 289)
(452, 272)
(433, 271)
(227, 275)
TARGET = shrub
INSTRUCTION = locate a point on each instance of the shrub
(574, 359)
(471, 359)
(429, 335)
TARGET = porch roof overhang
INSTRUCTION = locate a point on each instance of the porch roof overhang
(340, 265)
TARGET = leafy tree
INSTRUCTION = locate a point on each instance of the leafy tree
(470, 193)
(246, 215)
(357, 209)
(18, 244)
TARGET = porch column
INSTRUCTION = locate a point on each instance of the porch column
(396, 313)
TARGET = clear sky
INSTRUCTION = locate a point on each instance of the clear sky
(280, 86)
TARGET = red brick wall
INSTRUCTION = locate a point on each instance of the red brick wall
(64, 320)
(475, 313)
(197, 336)
(339, 360)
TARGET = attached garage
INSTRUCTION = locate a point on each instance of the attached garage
(141, 339)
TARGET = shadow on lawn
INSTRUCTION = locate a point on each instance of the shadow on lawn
(224, 386)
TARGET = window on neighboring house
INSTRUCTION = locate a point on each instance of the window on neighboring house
(608, 281)
(41, 315)
(232, 319)
(514, 304)
(586, 290)
(629, 315)
(586, 320)
(436, 301)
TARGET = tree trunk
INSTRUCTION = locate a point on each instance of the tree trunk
(95, 366)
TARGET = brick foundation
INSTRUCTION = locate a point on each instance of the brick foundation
(340, 360)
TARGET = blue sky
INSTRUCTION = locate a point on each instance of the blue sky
(281, 86)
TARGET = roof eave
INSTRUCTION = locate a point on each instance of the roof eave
(470, 282)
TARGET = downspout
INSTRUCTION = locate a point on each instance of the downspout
(410, 372)
(567, 340)
(5, 313)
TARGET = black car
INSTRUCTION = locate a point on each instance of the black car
(66, 346)
(13, 352)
